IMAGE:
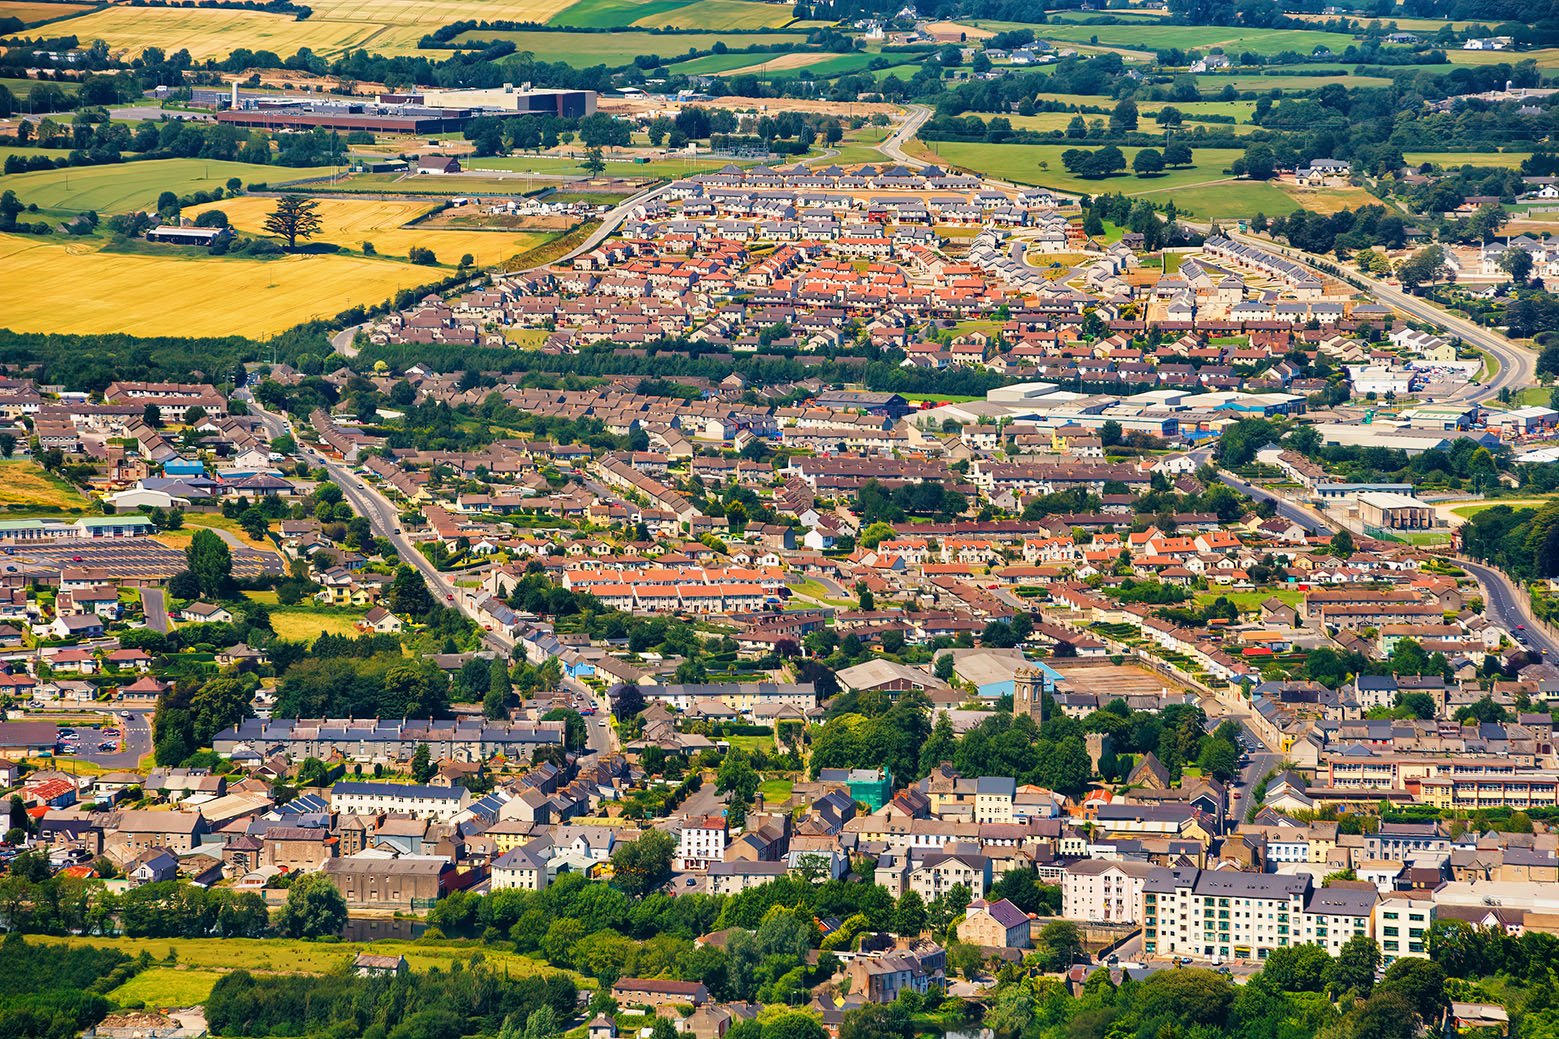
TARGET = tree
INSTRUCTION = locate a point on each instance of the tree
(1177, 154)
(1258, 162)
(1147, 162)
(294, 217)
(152, 416)
(1123, 119)
(495, 704)
(421, 764)
(738, 779)
(210, 561)
(909, 915)
(1297, 968)
(628, 702)
(1517, 263)
(594, 164)
(1060, 943)
(1384, 1016)
(1355, 966)
(643, 866)
(1341, 545)
(255, 523)
(1425, 266)
(1420, 982)
(409, 594)
(314, 908)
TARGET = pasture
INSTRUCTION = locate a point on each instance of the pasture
(719, 14)
(350, 222)
(167, 987)
(24, 486)
(584, 49)
(1546, 58)
(149, 293)
(293, 956)
(128, 186)
(1202, 189)
(32, 12)
(714, 15)
(1454, 160)
(1199, 38)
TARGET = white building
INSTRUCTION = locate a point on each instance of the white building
(424, 802)
(702, 841)
(1229, 914)
(1102, 891)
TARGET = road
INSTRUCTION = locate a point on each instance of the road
(1517, 364)
(1302, 515)
(1506, 606)
(384, 518)
(893, 145)
(155, 606)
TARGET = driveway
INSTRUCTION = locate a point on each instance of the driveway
(155, 605)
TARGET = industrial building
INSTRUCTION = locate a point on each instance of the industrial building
(410, 112)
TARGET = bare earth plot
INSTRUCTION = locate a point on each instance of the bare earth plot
(1110, 680)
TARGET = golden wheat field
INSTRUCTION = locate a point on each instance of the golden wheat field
(349, 222)
(382, 26)
(64, 286)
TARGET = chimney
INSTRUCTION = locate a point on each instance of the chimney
(234, 103)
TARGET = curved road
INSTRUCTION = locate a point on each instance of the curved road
(1517, 364)
(1508, 607)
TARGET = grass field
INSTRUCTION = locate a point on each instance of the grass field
(305, 624)
(584, 49)
(776, 791)
(291, 956)
(32, 13)
(612, 14)
(164, 987)
(350, 222)
(25, 485)
(127, 186)
(675, 14)
(1262, 84)
(198, 295)
(1452, 160)
(1546, 58)
(719, 14)
(1200, 38)
(1203, 189)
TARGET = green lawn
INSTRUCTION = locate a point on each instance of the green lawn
(776, 791)
(127, 186)
(163, 987)
(1251, 601)
(584, 49)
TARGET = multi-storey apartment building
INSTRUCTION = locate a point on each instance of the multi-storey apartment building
(1229, 914)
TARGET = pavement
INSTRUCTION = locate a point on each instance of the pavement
(134, 745)
(155, 606)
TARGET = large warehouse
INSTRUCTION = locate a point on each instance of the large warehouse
(433, 111)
